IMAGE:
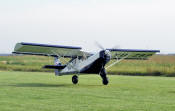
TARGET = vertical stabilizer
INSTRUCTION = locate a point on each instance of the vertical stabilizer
(57, 63)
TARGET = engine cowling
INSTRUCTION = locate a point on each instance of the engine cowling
(105, 55)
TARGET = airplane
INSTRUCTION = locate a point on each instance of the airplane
(81, 62)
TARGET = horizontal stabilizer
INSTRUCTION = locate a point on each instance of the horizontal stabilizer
(54, 66)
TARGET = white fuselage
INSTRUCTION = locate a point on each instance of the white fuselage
(78, 64)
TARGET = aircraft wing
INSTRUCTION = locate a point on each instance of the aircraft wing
(48, 50)
(132, 53)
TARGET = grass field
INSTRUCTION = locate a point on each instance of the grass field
(39, 91)
(157, 65)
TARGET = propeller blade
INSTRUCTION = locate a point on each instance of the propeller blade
(116, 47)
(99, 45)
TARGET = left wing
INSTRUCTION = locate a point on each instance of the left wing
(49, 50)
(132, 53)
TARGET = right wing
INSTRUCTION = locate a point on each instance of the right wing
(121, 54)
(49, 50)
(132, 53)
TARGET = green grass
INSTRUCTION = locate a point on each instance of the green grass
(36, 91)
(157, 65)
(25, 63)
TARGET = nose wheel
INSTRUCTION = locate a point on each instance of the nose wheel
(105, 81)
(104, 77)
(75, 79)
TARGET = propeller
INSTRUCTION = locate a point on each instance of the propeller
(116, 47)
(101, 47)
(106, 52)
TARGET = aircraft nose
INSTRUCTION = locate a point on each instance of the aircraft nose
(107, 56)
(108, 53)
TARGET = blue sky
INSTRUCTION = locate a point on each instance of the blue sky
(138, 24)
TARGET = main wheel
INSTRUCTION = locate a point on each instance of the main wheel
(75, 79)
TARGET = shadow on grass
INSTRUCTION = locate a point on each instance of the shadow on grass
(171, 92)
(51, 85)
(40, 85)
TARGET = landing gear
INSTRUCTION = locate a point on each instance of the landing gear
(105, 81)
(75, 79)
(103, 76)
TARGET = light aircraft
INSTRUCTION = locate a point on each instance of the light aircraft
(81, 62)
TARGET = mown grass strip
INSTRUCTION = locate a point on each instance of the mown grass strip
(39, 91)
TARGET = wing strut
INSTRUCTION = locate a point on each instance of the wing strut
(115, 62)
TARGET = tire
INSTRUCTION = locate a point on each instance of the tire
(105, 81)
(75, 79)
(103, 76)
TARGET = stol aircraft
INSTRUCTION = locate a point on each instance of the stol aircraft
(81, 62)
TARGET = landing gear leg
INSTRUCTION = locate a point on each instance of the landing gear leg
(75, 79)
(103, 76)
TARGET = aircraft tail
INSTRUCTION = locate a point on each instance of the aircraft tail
(58, 66)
